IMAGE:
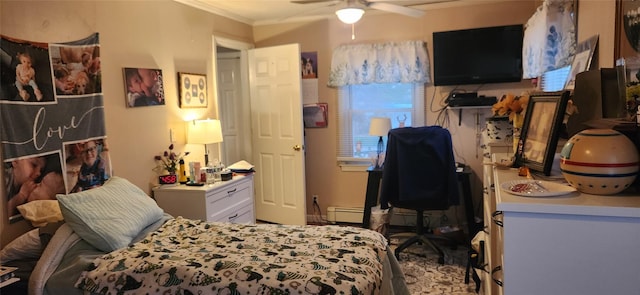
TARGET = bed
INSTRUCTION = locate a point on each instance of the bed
(116, 240)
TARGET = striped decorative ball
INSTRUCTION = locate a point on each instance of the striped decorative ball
(599, 161)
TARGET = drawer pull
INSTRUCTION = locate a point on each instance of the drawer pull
(495, 219)
(232, 191)
(231, 218)
(493, 271)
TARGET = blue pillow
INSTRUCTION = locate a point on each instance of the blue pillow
(110, 216)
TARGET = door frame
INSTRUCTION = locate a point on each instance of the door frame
(244, 72)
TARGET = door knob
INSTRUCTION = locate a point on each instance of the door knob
(297, 147)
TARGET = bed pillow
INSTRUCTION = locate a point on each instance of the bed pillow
(24, 247)
(41, 212)
(110, 216)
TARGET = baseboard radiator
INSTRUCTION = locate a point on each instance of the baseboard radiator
(355, 215)
(345, 214)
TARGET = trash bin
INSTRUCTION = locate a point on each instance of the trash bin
(379, 220)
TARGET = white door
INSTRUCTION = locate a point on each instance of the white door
(230, 103)
(277, 134)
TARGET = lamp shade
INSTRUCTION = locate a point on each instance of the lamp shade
(350, 15)
(380, 126)
(204, 131)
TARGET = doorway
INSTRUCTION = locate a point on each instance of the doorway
(260, 107)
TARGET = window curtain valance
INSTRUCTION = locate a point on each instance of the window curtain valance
(391, 62)
(549, 39)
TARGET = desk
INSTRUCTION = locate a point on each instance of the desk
(373, 194)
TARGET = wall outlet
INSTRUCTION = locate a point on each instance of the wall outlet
(315, 198)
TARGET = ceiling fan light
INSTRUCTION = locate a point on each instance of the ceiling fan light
(350, 15)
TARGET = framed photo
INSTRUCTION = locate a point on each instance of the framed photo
(315, 115)
(582, 60)
(193, 90)
(143, 87)
(541, 129)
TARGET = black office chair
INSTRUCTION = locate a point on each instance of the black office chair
(419, 174)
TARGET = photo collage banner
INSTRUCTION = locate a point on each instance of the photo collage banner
(52, 123)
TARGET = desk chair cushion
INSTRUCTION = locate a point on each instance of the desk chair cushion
(419, 169)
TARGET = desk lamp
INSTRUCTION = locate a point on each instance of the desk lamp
(204, 132)
(379, 126)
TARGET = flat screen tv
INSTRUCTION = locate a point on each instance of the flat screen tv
(478, 56)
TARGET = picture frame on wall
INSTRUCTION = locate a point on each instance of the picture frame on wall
(541, 130)
(143, 87)
(193, 90)
(315, 115)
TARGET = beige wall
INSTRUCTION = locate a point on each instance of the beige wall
(324, 176)
(173, 37)
(159, 34)
(347, 189)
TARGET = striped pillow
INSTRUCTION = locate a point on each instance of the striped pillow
(110, 216)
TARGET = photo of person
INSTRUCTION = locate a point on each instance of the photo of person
(52, 184)
(143, 87)
(25, 72)
(87, 165)
(76, 69)
(539, 132)
(25, 76)
(32, 178)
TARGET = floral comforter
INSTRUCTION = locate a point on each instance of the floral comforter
(187, 256)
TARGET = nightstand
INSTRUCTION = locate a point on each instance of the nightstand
(224, 201)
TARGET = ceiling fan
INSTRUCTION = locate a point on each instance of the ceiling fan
(354, 9)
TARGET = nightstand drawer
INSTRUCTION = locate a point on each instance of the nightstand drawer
(228, 197)
(241, 213)
(220, 201)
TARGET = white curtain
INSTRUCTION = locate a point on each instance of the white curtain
(549, 38)
(392, 62)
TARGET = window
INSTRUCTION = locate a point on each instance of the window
(357, 104)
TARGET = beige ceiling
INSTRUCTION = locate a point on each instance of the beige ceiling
(259, 12)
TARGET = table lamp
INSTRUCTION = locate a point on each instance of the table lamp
(204, 132)
(379, 126)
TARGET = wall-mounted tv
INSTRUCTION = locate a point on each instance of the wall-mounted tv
(478, 56)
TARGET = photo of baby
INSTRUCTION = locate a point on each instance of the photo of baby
(143, 87)
(25, 72)
(33, 178)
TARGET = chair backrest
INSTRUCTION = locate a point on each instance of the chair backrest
(419, 169)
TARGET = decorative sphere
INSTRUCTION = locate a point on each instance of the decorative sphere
(599, 161)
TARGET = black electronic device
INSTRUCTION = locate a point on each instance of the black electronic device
(596, 94)
(464, 94)
(477, 56)
(464, 101)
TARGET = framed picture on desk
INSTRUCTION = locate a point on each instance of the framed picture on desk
(540, 131)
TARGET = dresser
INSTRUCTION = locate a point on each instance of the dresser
(224, 201)
(491, 275)
(572, 244)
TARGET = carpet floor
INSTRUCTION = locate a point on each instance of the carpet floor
(424, 275)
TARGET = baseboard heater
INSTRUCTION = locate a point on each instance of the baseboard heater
(345, 214)
(355, 215)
